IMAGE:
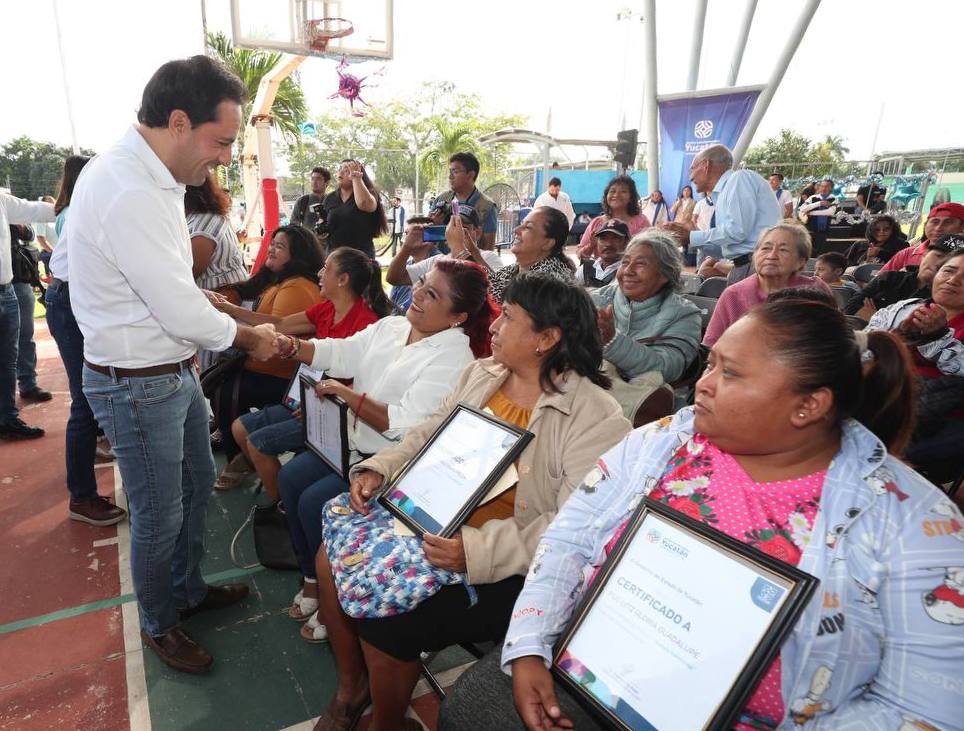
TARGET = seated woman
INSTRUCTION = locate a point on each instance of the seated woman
(620, 200)
(934, 330)
(884, 239)
(888, 288)
(780, 255)
(682, 209)
(787, 444)
(351, 285)
(216, 253)
(538, 245)
(403, 367)
(646, 327)
(544, 376)
(287, 284)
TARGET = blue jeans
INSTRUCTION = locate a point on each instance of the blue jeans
(158, 427)
(81, 425)
(274, 430)
(306, 483)
(27, 349)
(9, 337)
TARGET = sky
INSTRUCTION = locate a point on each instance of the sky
(525, 57)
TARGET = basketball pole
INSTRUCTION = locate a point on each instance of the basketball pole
(766, 96)
(257, 164)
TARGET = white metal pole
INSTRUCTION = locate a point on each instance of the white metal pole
(880, 118)
(766, 96)
(696, 49)
(649, 97)
(63, 74)
(741, 40)
(418, 201)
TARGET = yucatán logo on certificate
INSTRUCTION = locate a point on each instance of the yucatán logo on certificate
(703, 129)
(765, 594)
(653, 536)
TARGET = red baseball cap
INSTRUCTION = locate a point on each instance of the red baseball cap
(951, 210)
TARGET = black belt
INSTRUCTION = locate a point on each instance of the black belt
(158, 370)
(742, 259)
(58, 285)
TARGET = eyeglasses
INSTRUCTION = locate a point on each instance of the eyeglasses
(456, 171)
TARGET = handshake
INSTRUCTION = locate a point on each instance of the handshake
(261, 341)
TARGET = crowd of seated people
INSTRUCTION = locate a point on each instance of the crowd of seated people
(801, 425)
(402, 368)
(353, 299)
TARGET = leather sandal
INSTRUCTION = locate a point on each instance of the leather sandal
(343, 716)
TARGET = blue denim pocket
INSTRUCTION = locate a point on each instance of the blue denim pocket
(154, 390)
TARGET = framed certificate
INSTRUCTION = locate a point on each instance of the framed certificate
(292, 398)
(448, 478)
(679, 626)
(325, 426)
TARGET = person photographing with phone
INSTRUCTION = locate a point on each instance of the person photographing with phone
(462, 234)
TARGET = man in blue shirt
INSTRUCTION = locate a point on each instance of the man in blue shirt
(744, 205)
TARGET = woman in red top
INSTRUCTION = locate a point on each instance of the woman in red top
(353, 298)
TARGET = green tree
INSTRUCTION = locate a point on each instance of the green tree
(289, 109)
(796, 156)
(449, 139)
(31, 168)
(393, 138)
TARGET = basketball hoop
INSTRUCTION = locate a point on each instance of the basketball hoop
(319, 32)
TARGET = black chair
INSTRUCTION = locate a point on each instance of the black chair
(842, 295)
(712, 287)
(857, 323)
(476, 651)
(706, 305)
(865, 272)
(658, 404)
(691, 283)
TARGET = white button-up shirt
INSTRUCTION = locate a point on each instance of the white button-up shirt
(412, 380)
(560, 202)
(17, 210)
(131, 287)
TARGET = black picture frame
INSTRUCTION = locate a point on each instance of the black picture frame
(523, 437)
(801, 589)
(308, 384)
(294, 386)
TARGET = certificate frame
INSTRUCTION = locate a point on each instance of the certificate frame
(799, 592)
(294, 387)
(523, 437)
(308, 396)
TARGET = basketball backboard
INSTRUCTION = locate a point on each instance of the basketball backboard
(279, 25)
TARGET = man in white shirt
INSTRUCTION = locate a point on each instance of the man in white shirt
(611, 240)
(783, 196)
(13, 211)
(555, 198)
(143, 319)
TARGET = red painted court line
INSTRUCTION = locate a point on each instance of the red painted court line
(69, 673)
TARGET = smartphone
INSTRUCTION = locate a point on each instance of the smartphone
(433, 233)
(455, 206)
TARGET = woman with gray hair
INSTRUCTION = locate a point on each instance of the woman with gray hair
(650, 333)
(780, 255)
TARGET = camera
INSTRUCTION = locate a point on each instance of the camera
(321, 225)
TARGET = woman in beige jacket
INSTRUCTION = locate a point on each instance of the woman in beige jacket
(544, 376)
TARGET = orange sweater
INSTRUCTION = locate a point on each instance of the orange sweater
(289, 297)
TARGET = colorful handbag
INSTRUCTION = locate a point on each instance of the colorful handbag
(377, 572)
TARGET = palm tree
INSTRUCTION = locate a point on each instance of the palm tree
(449, 140)
(289, 109)
(834, 144)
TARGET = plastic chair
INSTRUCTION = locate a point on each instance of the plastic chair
(476, 651)
(712, 287)
(842, 295)
(865, 272)
(658, 404)
(857, 323)
(706, 305)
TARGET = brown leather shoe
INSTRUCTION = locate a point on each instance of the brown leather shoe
(179, 651)
(217, 597)
(100, 511)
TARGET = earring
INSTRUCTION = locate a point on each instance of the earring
(802, 415)
(538, 352)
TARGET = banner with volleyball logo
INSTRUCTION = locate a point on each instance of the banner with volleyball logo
(693, 121)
